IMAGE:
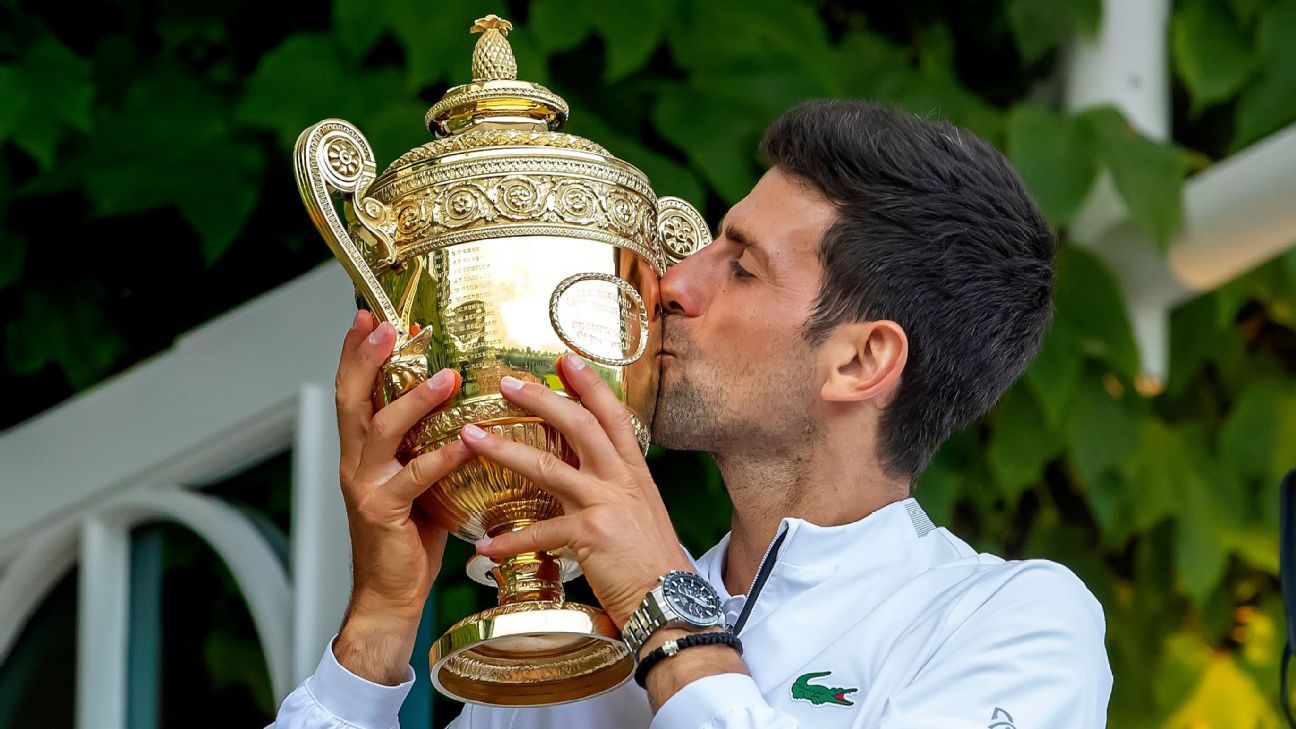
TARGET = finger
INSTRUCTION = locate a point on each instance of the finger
(389, 426)
(612, 414)
(361, 326)
(579, 427)
(357, 373)
(400, 491)
(543, 468)
(547, 535)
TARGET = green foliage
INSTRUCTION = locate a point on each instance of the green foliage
(179, 129)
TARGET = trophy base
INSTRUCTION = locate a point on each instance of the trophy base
(532, 653)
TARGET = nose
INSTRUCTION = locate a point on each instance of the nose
(681, 287)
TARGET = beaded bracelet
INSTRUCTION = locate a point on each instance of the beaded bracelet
(671, 647)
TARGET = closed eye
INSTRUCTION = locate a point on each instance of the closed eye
(738, 270)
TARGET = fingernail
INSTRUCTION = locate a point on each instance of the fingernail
(483, 543)
(378, 333)
(359, 315)
(509, 383)
(574, 363)
(439, 379)
(472, 432)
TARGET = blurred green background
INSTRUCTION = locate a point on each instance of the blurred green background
(147, 187)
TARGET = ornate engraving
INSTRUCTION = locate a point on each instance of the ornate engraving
(397, 186)
(344, 158)
(474, 200)
(521, 198)
(485, 138)
(461, 205)
(681, 227)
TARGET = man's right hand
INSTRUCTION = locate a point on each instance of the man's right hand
(396, 548)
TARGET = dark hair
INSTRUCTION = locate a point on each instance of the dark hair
(936, 232)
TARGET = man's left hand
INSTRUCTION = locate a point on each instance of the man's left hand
(614, 519)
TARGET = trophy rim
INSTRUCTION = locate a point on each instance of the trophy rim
(531, 619)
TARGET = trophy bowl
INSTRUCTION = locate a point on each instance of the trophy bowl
(493, 250)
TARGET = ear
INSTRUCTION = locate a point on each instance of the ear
(864, 361)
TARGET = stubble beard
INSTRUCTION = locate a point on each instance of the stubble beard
(686, 417)
(696, 410)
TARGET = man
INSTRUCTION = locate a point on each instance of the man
(882, 285)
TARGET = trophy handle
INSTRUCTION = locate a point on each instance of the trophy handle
(333, 156)
(681, 229)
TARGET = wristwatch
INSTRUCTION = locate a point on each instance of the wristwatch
(680, 599)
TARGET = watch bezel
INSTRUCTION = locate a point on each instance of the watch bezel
(668, 587)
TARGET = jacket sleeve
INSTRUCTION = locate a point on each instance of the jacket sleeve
(721, 701)
(335, 698)
(1031, 654)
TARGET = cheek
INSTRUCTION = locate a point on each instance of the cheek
(757, 338)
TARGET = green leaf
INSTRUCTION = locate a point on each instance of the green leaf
(1040, 25)
(1225, 697)
(666, 176)
(1199, 554)
(632, 29)
(1159, 471)
(1210, 50)
(55, 99)
(1054, 373)
(1090, 307)
(1148, 176)
(719, 141)
(169, 144)
(938, 490)
(357, 26)
(306, 79)
(561, 25)
(66, 327)
(13, 254)
(1101, 433)
(758, 36)
(1258, 438)
(1054, 155)
(1193, 340)
(1269, 104)
(1021, 443)
(14, 93)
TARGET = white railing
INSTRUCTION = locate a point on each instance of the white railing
(256, 381)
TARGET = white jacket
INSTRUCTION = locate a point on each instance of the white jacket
(885, 623)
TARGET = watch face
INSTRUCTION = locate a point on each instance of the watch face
(691, 596)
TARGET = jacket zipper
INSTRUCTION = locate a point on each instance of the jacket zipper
(762, 574)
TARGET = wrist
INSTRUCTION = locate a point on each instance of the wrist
(376, 648)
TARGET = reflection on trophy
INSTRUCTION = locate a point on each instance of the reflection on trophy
(493, 249)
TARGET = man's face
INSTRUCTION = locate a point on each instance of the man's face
(736, 373)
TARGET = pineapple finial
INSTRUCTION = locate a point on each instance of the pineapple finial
(493, 57)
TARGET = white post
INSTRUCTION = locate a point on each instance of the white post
(102, 605)
(321, 545)
(1126, 65)
(1238, 214)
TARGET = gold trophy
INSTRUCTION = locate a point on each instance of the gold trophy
(493, 249)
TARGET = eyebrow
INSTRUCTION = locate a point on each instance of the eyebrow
(739, 236)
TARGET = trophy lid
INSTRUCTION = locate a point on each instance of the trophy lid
(495, 109)
(495, 95)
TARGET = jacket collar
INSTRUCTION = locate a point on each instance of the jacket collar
(811, 554)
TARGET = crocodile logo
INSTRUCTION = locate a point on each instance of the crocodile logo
(803, 690)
